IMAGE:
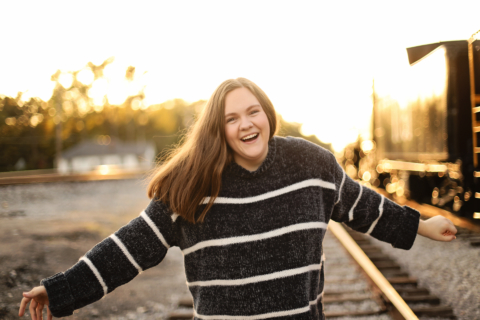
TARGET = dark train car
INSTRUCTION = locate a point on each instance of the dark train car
(423, 128)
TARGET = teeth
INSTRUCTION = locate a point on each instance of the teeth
(249, 137)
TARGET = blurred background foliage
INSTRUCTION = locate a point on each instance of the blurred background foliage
(28, 129)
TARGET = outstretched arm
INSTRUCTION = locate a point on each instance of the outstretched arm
(113, 262)
(366, 211)
(437, 228)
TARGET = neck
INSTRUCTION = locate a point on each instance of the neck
(250, 165)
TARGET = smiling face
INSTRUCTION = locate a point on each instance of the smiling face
(246, 128)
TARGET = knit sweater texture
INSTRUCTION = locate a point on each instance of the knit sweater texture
(258, 254)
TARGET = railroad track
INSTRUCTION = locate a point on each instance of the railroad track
(102, 174)
(361, 281)
(471, 236)
(419, 299)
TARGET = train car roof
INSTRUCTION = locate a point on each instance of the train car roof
(418, 52)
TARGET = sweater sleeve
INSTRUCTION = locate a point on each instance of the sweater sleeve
(366, 211)
(137, 246)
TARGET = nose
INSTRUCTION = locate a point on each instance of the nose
(245, 124)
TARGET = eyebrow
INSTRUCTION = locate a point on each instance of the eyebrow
(252, 106)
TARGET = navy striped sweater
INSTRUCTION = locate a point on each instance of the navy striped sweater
(258, 254)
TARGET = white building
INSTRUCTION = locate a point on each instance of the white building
(89, 155)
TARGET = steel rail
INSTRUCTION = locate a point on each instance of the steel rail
(57, 177)
(377, 277)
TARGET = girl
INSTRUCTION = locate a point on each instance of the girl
(249, 211)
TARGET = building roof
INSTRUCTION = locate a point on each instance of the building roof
(418, 52)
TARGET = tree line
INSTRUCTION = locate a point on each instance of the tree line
(29, 129)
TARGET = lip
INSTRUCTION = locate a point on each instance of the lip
(258, 135)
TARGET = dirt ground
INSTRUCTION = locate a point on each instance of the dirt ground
(46, 228)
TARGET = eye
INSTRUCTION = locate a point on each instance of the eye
(254, 111)
(230, 120)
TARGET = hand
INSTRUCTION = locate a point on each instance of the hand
(437, 228)
(39, 298)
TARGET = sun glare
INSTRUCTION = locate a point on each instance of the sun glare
(316, 60)
(85, 76)
(65, 79)
(98, 91)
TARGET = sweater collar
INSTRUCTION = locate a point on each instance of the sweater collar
(266, 164)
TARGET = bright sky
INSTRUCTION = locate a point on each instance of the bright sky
(315, 59)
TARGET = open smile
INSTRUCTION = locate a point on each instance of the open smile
(250, 137)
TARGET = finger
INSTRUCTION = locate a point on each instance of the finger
(23, 306)
(49, 314)
(452, 229)
(30, 294)
(448, 233)
(40, 311)
(33, 306)
(34, 292)
(449, 238)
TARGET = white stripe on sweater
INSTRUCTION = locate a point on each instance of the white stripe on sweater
(154, 228)
(276, 193)
(255, 237)
(96, 273)
(261, 316)
(174, 216)
(350, 213)
(340, 189)
(380, 211)
(316, 300)
(255, 279)
(126, 253)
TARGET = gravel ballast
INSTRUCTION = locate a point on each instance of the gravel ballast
(46, 228)
(450, 271)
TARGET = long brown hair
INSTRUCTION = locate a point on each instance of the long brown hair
(193, 171)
